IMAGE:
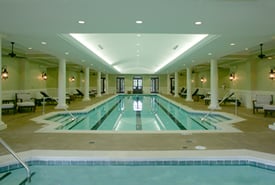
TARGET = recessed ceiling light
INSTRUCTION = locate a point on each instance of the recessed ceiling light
(100, 47)
(139, 22)
(30, 48)
(138, 35)
(232, 44)
(198, 23)
(175, 47)
(246, 49)
(83, 61)
(81, 22)
(66, 53)
(209, 53)
(43, 43)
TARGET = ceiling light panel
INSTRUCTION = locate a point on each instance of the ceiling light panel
(155, 50)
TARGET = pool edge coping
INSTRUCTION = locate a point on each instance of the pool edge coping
(109, 155)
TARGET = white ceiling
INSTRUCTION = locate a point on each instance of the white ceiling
(110, 27)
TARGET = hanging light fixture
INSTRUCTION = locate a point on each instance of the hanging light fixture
(203, 80)
(44, 76)
(272, 74)
(232, 76)
(5, 73)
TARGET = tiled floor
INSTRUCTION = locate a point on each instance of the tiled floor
(255, 135)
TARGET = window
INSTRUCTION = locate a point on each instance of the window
(103, 80)
(137, 85)
(120, 85)
(154, 85)
(172, 85)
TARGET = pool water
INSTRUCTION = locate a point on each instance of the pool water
(138, 112)
(145, 173)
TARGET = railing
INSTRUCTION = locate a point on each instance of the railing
(6, 146)
(66, 110)
(204, 118)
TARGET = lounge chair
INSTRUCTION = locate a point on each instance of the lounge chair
(229, 98)
(8, 105)
(54, 100)
(195, 95)
(182, 91)
(92, 93)
(195, 92)
(25, 102)
(260, 101)
(48, 99)
(79, 94)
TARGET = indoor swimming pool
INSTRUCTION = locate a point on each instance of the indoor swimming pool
(145, 172)
(137, 113)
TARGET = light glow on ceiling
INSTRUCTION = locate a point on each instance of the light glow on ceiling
(94, 48)
(182, 48)
(149, 55)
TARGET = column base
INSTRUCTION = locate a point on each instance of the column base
(86, 99)
(189, 99)
(98, 95)
(63, 106)
(2, 125)
(214, 107)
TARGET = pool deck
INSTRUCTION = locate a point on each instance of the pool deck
(21, 136)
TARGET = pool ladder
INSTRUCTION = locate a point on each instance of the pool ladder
(29, 174)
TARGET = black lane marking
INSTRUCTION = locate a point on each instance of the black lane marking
(99, 123)
(138, 120)
(176, 121)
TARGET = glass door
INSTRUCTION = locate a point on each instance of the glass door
(154, 85)
(120, 85)
(137, 85)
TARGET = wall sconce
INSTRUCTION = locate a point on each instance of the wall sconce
(5, 73)
(44, 76)
(203, 80)
(232, 77)
(272, 74)
(72, 79)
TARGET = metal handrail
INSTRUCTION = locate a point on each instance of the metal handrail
(6, 146)
(206, 115)
(73, 118)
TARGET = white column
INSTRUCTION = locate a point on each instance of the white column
(98, 84)
(176, 90)
(214, 104)
(87, 84)
(62, 85)
(2, 124)
(188, 84)
(168, 84)
(107, 83)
